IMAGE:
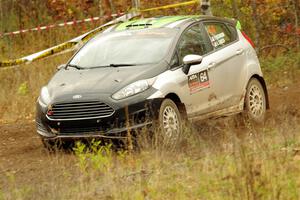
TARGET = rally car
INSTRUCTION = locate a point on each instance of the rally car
(153, 71)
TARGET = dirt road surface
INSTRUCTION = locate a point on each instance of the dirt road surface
(22, 154)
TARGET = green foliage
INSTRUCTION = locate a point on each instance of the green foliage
(283, 70)
(23, 192)
(286, 61)
(23, 89)
(96, 156)
(1, 195)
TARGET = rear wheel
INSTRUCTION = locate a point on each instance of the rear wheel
(170, 122)
(255, 101)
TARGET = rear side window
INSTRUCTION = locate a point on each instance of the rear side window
(233, 32)
(219, 34)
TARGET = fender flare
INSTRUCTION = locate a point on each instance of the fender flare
(264, 85)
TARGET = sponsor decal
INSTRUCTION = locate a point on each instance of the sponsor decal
(218, 39)
(198, 81)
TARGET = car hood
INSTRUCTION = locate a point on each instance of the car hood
(107, 80)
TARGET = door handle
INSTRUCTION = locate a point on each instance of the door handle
(239, 51)
(211, 66)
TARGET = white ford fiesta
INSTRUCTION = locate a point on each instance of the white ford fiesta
(153, 70)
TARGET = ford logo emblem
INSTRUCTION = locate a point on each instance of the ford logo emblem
(77, 96)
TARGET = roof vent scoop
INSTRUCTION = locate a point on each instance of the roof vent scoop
(137, 25)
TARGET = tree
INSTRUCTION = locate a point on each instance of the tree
(235, 9)
(256, 24)
(297, 13)
(135, 4)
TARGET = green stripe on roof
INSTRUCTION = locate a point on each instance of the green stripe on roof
(166, 20)
(124, 25)
(140, 21)
(156, 22)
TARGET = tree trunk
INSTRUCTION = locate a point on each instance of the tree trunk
(101, 12)
(297, 13)
(256, 24)
(1, 17)
(106, 7)
(135, 4)
(112, 6)
(235, 9)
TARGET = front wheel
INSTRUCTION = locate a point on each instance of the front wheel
(170, 122)
(255, 101)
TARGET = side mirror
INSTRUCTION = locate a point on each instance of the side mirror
(190, 60)
(60, 67)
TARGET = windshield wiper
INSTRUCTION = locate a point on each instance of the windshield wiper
(113, 65)
(75, 66)
(122, 65)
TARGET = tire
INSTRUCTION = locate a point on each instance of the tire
(170, 124)
(255, 102)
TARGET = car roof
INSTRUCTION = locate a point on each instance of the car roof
(166, 21)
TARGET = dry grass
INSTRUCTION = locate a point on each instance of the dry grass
(21, 87)
(214, 161)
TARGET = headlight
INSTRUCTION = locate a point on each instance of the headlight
(132, 89)
(44, 96)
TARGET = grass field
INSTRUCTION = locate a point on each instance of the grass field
(216, 159)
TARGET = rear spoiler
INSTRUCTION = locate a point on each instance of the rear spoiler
(235, 23)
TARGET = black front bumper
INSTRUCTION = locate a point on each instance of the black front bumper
(140, 115)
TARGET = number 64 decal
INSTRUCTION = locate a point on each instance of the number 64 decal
(198, 81)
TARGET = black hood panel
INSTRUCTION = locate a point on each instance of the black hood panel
(69, 82)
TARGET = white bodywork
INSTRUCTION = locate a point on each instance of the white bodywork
(229, 69)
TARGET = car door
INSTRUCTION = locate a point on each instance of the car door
(197, 85)
(227, 64)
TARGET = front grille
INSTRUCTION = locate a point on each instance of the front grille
(79, 110)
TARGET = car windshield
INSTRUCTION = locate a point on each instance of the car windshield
(127, 48)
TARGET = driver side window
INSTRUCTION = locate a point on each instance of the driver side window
(192, 41)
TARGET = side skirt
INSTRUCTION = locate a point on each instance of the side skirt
(220, 113)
